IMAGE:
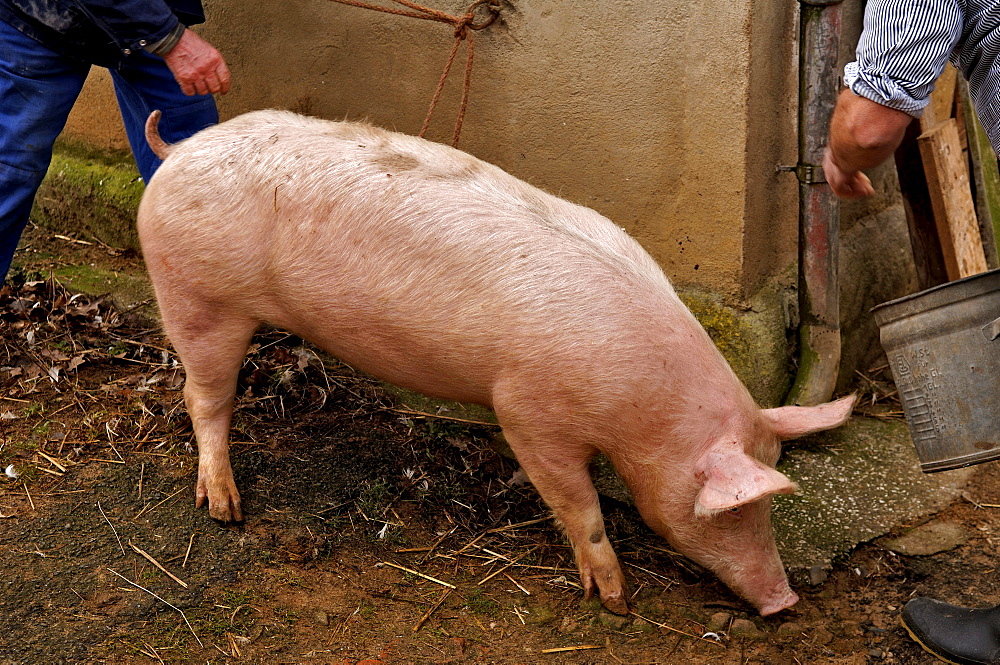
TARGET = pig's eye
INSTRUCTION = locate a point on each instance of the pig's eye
(736, 511)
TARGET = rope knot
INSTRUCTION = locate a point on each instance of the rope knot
(463, 24)
(468, 20)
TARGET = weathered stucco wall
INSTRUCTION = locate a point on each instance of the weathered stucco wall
(669, 118)
(770, 235)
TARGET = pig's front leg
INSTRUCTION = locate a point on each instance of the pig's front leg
(562, 477)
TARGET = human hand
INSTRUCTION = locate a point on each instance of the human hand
(846, 185)
(198, 67)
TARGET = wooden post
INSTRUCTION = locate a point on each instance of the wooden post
(942, 101)
(927, 256)
(951, 200)
(986, 178)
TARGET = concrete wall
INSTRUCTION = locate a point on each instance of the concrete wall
(669, 118)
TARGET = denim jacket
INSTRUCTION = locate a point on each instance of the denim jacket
(102, 32)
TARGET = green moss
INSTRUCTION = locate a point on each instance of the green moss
(25, 444)
(90, 192)
(479, 603)
(42, 428)
(32, 409)
(809, 363)
(752, 339)
(540, 616)
(86, 152)
(26, 473)
(128, 289)
(723, 326)
(373, 499)
(367, 610)
(417, 402)
(241, 598)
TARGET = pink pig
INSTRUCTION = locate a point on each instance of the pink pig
(433, 270)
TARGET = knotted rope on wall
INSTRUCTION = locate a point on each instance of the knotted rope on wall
(464, 24)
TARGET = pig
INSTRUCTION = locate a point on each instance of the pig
(433, 270)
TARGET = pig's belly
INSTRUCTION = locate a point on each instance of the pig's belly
(436, 362)
(465, 357)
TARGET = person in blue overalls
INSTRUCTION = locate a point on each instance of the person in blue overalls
(47, 47)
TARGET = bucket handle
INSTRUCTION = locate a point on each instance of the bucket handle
(992, 330)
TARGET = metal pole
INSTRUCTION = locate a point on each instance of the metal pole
(819, 209)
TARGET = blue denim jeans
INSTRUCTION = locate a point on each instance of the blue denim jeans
(38, 87)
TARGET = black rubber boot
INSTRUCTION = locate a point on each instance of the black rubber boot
(954, 634)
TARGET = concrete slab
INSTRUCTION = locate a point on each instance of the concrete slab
(856, 483)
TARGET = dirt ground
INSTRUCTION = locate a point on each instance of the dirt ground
(373, 534)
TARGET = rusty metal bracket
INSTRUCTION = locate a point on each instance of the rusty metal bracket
(807, 174)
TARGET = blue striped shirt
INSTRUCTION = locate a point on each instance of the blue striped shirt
(905, 45)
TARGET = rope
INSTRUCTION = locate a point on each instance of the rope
(464, 24)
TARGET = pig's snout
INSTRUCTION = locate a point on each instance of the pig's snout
(780, 599)
(765, 585)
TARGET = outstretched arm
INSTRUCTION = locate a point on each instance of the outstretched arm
(863, 134)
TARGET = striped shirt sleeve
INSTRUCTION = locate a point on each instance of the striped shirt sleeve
(904, 47)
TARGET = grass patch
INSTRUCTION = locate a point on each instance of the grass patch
(479, 603)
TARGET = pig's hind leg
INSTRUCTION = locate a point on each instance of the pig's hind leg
(212, 346)
(561, 474)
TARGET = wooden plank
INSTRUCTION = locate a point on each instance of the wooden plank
(963, 135)
(951, 200)
(927, 256)
(942, 102)
(985, 180)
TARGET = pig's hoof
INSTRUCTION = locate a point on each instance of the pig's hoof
(223, 502)
(226, 510)
(229, 514)
(227, 520)
(615, 604)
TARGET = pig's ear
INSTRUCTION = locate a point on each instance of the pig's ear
(731, 478)
(790, 422)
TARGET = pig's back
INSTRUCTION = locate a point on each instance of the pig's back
(386, 248)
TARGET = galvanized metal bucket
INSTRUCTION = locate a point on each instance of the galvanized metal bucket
(944, 351)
